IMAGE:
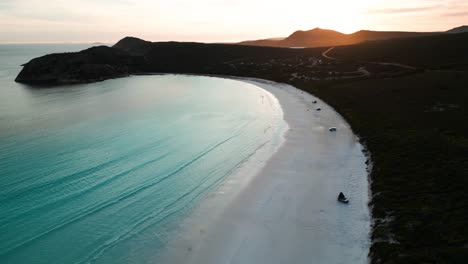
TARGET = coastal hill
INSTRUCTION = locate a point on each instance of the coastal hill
(445, 51)
(318, 37)
(133, 45)
(461, 29)
(134, 56)
(93, 64)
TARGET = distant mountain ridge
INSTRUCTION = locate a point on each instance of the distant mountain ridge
(461, 29)
(319, 37)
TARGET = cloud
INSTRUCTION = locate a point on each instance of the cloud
(457, 14)
(392, 11)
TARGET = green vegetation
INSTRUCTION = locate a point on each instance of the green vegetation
(416, 129)
(448, 51)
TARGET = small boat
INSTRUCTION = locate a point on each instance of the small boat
(318, 109)
(332, 129)
(342, 198)
(314, 102)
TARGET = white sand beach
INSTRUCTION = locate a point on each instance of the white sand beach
(285, 209)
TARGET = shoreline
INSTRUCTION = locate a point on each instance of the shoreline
(417, 147)
(285, 210)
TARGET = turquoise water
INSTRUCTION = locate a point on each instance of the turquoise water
(106, 172)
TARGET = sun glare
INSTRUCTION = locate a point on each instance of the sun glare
(343, 16)
(212, 20)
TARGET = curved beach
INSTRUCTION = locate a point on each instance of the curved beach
(284, 210)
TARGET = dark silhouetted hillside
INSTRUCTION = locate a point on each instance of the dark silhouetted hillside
(133, 45)
(90, 65)
(461, 29)
(436, 52)
(367, 35)
(318, 37)
(315, 38)
(132, 55)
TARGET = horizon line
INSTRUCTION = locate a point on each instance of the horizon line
(209, 41)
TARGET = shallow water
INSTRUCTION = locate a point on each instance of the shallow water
(105, 172)
(288, 212)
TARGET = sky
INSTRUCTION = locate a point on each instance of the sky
(79, 21)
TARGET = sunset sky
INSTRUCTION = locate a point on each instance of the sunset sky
(215, 20)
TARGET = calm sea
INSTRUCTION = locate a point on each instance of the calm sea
(106, 172)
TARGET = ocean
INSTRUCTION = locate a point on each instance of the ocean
(107, 172)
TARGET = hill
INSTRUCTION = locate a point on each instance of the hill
(133, 45)
(90, 65)
(443, 51)
(461, 29)
(132, 56)
(318, 37)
